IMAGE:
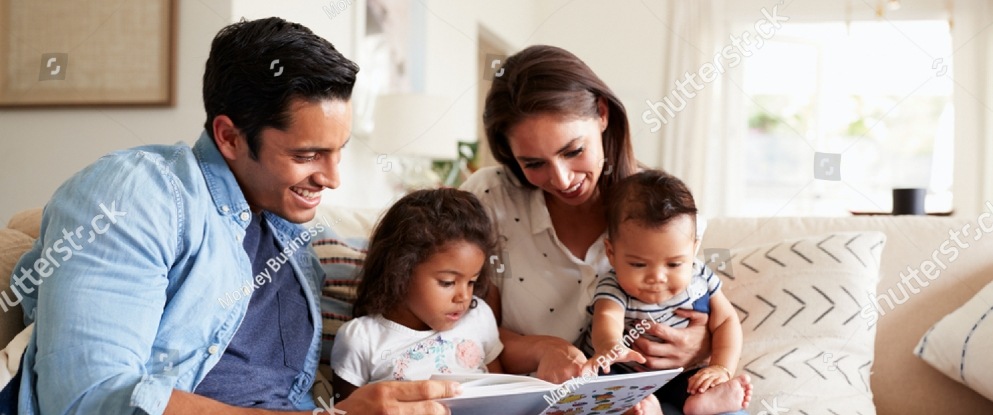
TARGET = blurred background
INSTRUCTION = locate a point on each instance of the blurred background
(796, 108)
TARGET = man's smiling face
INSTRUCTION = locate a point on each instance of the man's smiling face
(294, 165)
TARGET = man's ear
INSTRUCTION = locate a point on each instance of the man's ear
(228, 137)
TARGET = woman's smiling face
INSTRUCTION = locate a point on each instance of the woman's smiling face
(562, 156)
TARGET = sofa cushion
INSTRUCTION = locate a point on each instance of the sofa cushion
(959, 344)
(912, 243)
(13, 244)
(340, 245)
(808, 329)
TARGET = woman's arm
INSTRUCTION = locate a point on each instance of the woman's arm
(555, 360)
(494, 366)
(683, 347)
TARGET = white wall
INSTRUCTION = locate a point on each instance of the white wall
(622, 41)
(40, 149)
(623, 44)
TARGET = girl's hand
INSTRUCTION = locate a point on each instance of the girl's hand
(707, 378)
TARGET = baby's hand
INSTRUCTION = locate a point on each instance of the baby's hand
(608, 356)
(707, 378)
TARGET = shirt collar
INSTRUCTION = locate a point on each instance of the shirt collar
(221, 183)
(541, 220)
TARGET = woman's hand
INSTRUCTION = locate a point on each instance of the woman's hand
(400, 398)
(560, 361)
(679, 347)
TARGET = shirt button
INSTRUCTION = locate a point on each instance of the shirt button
(212, 349)
(245, 216)
(225, 209)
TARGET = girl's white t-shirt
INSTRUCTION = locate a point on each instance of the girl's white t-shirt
(372, 349)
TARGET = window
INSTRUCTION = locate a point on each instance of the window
(874, 92)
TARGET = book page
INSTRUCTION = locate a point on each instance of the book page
(490, 384)
(608, 394)
(496, 394)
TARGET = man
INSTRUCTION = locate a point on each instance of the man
(170, 279)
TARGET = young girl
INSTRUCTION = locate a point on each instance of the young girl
(419, 309)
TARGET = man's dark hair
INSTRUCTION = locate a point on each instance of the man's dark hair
(243, 81)
(651, 198)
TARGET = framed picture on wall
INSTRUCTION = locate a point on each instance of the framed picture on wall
(92, 53)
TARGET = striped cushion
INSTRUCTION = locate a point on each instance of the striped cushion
(959, 344)
(807, 324)
(343, 235)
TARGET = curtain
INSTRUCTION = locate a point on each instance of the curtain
(690, 112)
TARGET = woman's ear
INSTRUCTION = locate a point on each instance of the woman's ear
(609, 247)
(604, 113)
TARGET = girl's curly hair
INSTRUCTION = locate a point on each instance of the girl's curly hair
(414, 228)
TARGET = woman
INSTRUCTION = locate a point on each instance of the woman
(562, 139)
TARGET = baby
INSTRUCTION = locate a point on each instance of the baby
(651, 243)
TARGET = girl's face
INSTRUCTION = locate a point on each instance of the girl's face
(653, 265)
(440, 289)
(562, 156)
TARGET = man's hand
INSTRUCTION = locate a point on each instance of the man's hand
(400, 398)
(560, 362)
(679, 347)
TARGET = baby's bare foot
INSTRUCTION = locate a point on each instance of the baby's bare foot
(730, 396)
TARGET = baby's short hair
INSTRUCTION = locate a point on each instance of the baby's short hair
(651, 198)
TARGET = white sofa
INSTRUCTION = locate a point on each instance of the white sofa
(900, 382)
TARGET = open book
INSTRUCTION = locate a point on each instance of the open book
(485, 394)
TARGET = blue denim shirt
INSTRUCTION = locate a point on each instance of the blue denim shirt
(139, 281)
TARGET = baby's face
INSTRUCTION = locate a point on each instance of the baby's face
(653, 265)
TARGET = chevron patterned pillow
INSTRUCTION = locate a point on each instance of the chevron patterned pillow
(809, 333)
(959, 344)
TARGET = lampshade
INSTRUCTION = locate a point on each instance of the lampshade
(414, 125)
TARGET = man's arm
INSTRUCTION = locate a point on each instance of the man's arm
(104, 298)
(394, 398)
